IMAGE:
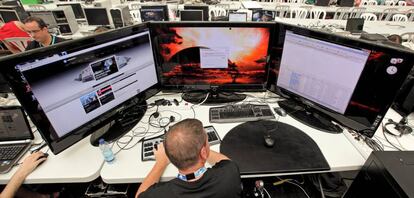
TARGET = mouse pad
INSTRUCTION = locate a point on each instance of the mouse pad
(293, 151)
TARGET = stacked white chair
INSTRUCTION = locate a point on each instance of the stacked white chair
(318, 13)
(402, 3)
(399, 17)
(369, 16)
(216, 12)
(298, 13)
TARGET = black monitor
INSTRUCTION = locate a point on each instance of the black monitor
(214, 58)
(345, 3)
(204, 8)
(191, 15)
(154, 13)
(333, 78)
(77, 9)
(97, 83)
(97, 16)
(9, 15)
(263, 15)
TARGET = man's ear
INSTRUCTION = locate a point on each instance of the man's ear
(205, 151)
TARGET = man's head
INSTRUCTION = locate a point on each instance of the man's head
(37, 29)
(186, 144)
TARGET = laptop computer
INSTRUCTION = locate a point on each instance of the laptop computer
(355, 25)
(15, 136)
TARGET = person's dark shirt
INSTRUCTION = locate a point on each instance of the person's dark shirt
(222, 180)
(34, 44)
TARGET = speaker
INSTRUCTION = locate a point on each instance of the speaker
(404, 102)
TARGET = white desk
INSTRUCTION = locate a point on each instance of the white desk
(128, 167)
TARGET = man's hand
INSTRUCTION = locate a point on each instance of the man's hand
(160, 155)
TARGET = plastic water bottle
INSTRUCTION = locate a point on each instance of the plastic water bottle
(106, 151)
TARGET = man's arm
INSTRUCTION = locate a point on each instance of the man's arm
(28, 165)
(157, 170)
(215, 157)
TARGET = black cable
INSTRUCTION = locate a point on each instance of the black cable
(386, 138)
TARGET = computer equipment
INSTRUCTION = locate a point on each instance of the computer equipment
(191, 15)
(120, 16)
(355, 25)
(204, 8)
(238, 17)
(97, 16)
(345, 3)
(240, 113)
(9, 15)
(94, 85)
(190, 56)
(19, 10)
(65, 19)
(280, 111)
(263, 15)
(47, 16)
(15, 136)
(76, 8)
(212, 135)
(154, 13)
(322, 2)
(404, 102)
(338, 80)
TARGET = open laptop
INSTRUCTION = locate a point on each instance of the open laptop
(355, 25)
(15, 136)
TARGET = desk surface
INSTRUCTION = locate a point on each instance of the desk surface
(128, 167)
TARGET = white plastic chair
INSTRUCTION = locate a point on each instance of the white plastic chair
(399, 17)
(298, 13)
(372, 2)
(356, 12)
(291, 1)
(282, 10)
(408, 36)
(364, 2)
(369, 16)
(389, 3)
(316, 13)
(135, 16)
(387, 14)
(134, 6)
(225, 6)
(410, 14)
(37, 7)
(19, 42)
(341, 13)
(215, 12)
(402, 3)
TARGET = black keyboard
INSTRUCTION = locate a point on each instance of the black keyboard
(10, 152)
(240, 113)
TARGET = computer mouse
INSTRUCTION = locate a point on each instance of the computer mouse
(280, 111)
(269, 141)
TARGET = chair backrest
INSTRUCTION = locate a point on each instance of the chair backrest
(316, 13)
(19, 42)
(399, 17)
(369, 16)
(225, 6)
(291, 1)
(389, 2)
(372, 2)
(387, 14)
(135, 16)
(216, 11)
(364, 2)
(298, 13)
(402, 3)
(282, 10)
(37, 7)
(356, 12)
(410, 14)
(408, 36)
(341, 13)
(134, 6)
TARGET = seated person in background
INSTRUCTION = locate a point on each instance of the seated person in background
(38, 30)
(395, 38)
(187, 147)
(13, 187)
(12, 29)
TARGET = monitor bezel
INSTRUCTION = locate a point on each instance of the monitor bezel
(163, 7)
(205, 87)
(97, 8)
(6, 10)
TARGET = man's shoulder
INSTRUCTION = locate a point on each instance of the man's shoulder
(160, 189)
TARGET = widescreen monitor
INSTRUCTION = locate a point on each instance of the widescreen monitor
(352, 82)
(204, 8)
(154, 13)
(9, 15)
(97, 16)
(263, 15)
(211, 57)
(77, 87)
(77, 9)
(191, 15)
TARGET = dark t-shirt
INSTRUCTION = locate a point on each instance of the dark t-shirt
(34, 44)
(222, 180)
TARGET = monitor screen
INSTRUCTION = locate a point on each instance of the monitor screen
(97, 16)
(192, 55)
(9, 15)
(80, 86)
(199, 7)
(191, 15)
(77, 9)
(352, 81)
(263, 15)
(154, 13)
(238, 17)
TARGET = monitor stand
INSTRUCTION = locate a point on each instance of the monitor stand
(122, 124)
(309, 116)
(214, 97)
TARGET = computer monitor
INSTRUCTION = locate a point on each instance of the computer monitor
(154, 13)
(9, 15)
(77, 9)
(238, 17)
(333, 78)
(191, 15)
(204, 8)
(212, 58)
(345, 3)
(97, 83)
(263, 15)
(97, 16)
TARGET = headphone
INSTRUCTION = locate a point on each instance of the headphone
(401, 127)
